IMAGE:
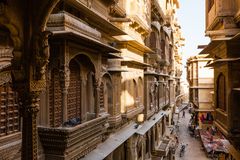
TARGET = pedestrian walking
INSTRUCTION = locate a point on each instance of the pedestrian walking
(183, 114)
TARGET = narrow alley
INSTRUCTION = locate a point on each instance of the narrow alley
(194, 149)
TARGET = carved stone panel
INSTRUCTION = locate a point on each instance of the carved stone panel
(55, 100)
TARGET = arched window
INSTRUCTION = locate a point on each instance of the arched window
(221, 92)
(81, 91)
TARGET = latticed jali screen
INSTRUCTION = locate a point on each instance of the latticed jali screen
(9, 111)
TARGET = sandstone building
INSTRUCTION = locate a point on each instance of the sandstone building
(222, 26)
(88, 79)
(200, 79)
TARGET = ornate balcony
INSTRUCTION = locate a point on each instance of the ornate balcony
(73, 142)
(162, 149)
(130, 113)
(64, 21)
(115, 121)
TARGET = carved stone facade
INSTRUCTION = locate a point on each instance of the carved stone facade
(222, 27)
(201, 82)
(88, 79)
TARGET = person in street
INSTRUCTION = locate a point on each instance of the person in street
(183, 114)
(176, 138)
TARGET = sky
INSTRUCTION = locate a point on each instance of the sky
(191, 16)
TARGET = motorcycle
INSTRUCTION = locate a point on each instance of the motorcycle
(182, 149)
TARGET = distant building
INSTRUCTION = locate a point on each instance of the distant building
(200, 79)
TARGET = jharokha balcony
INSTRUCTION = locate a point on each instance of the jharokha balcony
(73, 142)
(163, 149)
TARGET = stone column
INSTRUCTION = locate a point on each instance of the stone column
(29, 109)
(65, 77)
(97, 97)
(83, 99)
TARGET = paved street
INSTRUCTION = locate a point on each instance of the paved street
(194, 149)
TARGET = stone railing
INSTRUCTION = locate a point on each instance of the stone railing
(163, 149)
(115, 121)
(73, 142)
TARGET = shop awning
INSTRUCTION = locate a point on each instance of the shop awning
(114, 141)
(223, 60)
(151, 122)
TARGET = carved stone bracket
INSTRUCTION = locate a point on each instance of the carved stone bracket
(41, 54)
(29, 103)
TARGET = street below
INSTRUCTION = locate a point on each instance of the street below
(194, 149)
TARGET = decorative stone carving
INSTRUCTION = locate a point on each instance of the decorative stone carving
(5, 77)
(41, 54)
(29, 109)
(37, 86)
